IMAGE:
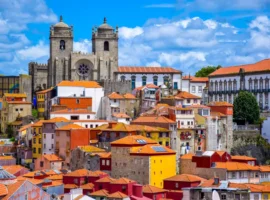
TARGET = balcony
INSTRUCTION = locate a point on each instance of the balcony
(185, 136)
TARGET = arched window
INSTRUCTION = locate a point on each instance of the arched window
(261, 83)
(234, 85)
(106, 46)
(216, 86)
(220, 85)
(123, 78)
(62, 45)
(225, 85)
(133, 82)
(155, 80)
(166, 80)
(144, 79)
(256, 84)
(212, 86)
(230, 85)
(250, 83)
(267, 83)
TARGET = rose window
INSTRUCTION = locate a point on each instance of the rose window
(83, 69)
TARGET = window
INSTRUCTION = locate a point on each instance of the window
(41, 163)
(44, 146)
(182, 123)
(200, 89)
(230, 85)
(122, 78)
(166, 80)
(188, 123)
(223, 196)
(39, 150)
(267, 83)
(220, 85)
(17, 109)
(144, 78)
(193, 90)
(230, 98)
(34, 150)
(103, 162)
(39, 140)
(52, 136)
(74, 117)
(44, 136)
(124, 188)
(91, 126)
(225, 97)
(88, 116)
(175, 85)
(108, 162)
(220, 97)
(106, 46)
(34, 141)
(176, 185)
(86, 126)
(234, 85)
(155, 80)
(255, 84)
(26, 196)
(233, 174)
(52, 146)
(225, 85)
(133, 82)
(211, 86)
(261, 83)
(250, 84)
(62, 45)
(188, 100)
(77, 101)
(21, 109)
(216, 86)
(265, 196)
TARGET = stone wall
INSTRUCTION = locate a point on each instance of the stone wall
(25, 83)
(115, 86)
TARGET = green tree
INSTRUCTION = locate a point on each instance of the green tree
(205, 71)
(245, 107)
(9, 131)
(35, 113)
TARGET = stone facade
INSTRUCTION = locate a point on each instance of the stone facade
(64, 64)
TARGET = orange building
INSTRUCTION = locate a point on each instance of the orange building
(75, 102)
(221, 107)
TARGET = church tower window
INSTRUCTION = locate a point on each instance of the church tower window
(62, 44)
(133, 82)
(106, 46)
(123, 78)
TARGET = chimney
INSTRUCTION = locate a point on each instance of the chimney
(138, 190)
(216, 181)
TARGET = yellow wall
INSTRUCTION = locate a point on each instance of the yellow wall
(40, 105)
(37, 142)
(161, 167)
(264, 195)
(160, 140)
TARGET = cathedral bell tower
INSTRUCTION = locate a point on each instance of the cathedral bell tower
(105, 47)
(61, 46)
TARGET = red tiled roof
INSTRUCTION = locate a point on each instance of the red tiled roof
(187, 156)
(73, 111)
(150, 85)
(100, 193)
(185, 178)
(236, 166)
(220, 103)
(152, 189)
(115, 95)
(244, 158)
(149, 149)
(87, 186)
(79, 173)
(122, 181)
(117, 195)
(195, 79)
(106, 179)
(85, 84)
(145, 70)
(3, 190)
(129, 96)
(13, 169)
(96, 173)
(133, 140)
(261, 66)
(121, 115)
(70, 186)
(186, 95)
(153, 119)
(52, 158)
(69, 127)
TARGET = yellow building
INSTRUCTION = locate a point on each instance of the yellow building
(162, 162)
(160, 135)
(37, 139)
(41, 102)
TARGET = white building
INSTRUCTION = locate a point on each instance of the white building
(140, 76)
(121, 118)
(80, 89)
(76, 194)
(225, 83)
(194, 85)
(74, 114)
(90, 123)
(185, 117)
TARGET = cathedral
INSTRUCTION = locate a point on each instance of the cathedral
(64, 64)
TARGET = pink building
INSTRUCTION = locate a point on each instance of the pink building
(49, 161)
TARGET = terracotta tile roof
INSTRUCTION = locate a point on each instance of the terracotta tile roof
(73, 111)
(117, 195)
(56, 177)
(104, 155)
(90, 148)
(44, 91)
(220, 103)
(25, 127)
(96, 173)
(145, 70)
(152, 189)
(216, 114)
(129, 96)
(195, 79)
(85, 84)
(120, 115)
(100, 193)
(198, 106)
(78, 173)
(106, 179)
(13, 169)
(122, 181)
(69, 127)
(261, 66)
(6, 158)
(38, 123)
(133, 140)
(87, 186)
(187, 156)
(148, 128)
(244, 158)
(150, 149)
(3, 190)
(19, 102)
(13, 188)
(56, 119)
(115, 95)
(185, 95)
(70, 186)
(52, 158)
(236, 166)
(153, 119)
(52, 184)
(185, 178)
(90, 120)
(209, 183)
(18, 95)
(265, 168)
(149, 85)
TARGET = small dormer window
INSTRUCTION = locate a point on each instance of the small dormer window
(106, 46)
(62, 45)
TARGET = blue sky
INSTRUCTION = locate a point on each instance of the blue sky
(184, 34)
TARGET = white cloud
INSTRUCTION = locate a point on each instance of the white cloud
(165, 5)
(153, 64)
(262, 23)
(34, 52)
(127, 33)
(83, 46)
